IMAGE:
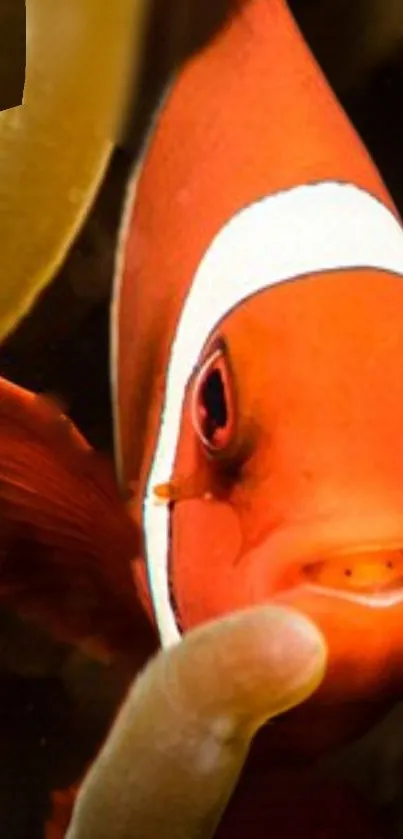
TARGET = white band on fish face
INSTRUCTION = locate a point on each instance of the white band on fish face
(306, 230)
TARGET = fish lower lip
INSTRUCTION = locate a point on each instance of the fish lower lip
(378, 599)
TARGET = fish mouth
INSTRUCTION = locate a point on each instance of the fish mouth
(371, 577)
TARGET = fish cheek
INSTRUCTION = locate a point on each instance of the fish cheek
(205, 537)
(206, 540)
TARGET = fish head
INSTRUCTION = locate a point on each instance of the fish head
(290, 437)
(286, 468)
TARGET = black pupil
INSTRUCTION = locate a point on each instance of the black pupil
(214, 403)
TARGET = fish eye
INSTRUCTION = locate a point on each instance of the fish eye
(213, 403)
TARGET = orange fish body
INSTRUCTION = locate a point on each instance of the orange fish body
(257, 358)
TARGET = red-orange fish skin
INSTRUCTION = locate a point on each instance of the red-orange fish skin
(66, 540)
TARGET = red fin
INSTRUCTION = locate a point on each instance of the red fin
(66, 540)
(62, 808)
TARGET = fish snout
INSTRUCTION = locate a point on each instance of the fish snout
(370, 573)
(338, 559)
(355, 597)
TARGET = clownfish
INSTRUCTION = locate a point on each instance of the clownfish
(256, 371)
(257, 356)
